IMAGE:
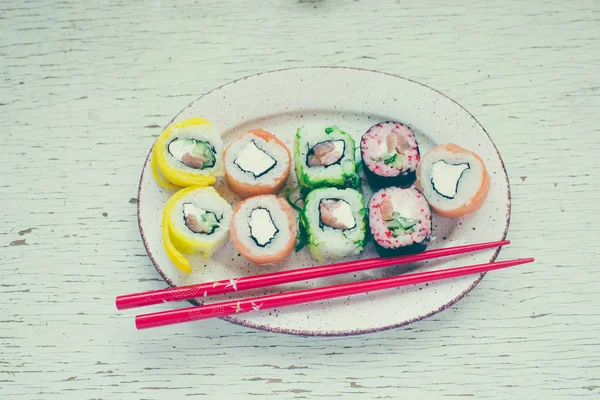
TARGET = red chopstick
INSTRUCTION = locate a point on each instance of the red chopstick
(163, 318)
(277, 278)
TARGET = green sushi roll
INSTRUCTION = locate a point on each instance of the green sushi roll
(325, 158)
(335, 222)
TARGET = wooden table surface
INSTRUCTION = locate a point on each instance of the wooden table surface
(86, 87)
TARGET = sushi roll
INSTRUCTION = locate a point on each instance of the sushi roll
(263, 229)
(325, 158)
(454, 180)
(400, 221)
(187, 153)
(334, 220)
(256, 163)
(390, 155)
(195, 221)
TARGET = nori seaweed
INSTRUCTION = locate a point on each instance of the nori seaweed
(404, 180)
(400, 251)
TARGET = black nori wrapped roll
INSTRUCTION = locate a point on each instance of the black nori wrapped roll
(390, 155)
(399, 221)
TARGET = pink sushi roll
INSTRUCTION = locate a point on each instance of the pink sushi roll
(400, 221)
(263, 229)
(390, 155)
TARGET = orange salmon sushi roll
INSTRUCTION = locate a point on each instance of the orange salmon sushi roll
(257, 163)
(263, 229)
(454, 180)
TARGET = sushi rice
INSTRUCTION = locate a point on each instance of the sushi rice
(343, 234)
(454, 180)
(400, 221)
(187, 153)
(257, 163)
(333, 165)
(390, 155)
(263, 229)
(195, 221)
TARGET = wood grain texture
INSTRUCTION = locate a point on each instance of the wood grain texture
(85, 90)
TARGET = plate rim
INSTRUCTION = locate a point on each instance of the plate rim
(299, 332)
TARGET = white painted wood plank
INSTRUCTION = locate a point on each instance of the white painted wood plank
(85, 89)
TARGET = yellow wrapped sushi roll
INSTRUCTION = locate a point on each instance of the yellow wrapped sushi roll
(187, 153)
(195, 221)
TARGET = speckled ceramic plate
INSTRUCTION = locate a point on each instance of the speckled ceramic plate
(282, 101)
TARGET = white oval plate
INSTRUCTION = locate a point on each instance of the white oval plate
(354, 99)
